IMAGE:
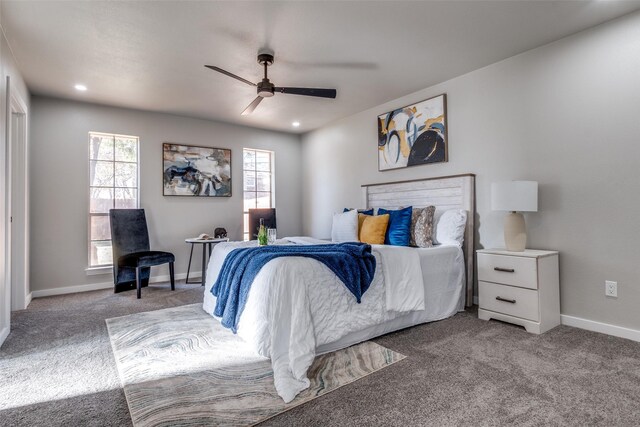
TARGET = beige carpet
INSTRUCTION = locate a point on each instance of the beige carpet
(180, 367)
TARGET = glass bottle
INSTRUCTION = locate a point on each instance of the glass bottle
(262, 233)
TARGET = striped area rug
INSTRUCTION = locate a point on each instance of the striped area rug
(180, 367)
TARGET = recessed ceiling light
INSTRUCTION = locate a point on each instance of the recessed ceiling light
(80, 87)
(295, 124)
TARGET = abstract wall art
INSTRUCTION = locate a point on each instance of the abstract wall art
(196, 171)
(413, 135)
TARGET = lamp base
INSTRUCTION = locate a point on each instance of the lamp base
(515, 232)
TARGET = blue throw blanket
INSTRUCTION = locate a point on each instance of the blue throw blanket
(353, 263)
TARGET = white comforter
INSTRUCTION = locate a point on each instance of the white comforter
(297, 304)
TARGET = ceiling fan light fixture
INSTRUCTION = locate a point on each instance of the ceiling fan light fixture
(266, 89)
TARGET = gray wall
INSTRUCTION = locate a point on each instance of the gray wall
(59, 180)
(565, 115)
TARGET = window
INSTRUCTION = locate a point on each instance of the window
(113, 183)
(258, 182)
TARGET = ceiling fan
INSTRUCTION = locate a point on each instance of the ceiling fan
(266, 89)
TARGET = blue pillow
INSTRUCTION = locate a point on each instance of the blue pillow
(362, 211)
(399, 228)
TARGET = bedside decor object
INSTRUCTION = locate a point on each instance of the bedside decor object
(413, 135)
(522, 288)
(272, 236)
(262, 234)
(515, 197)
(268, 215)
(220, 233)
(196, 171)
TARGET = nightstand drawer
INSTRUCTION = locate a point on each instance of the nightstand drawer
(510, 270)
(510, 300)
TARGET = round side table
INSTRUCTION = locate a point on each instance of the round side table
(205, 243)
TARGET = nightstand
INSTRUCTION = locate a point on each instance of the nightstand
(522, 288)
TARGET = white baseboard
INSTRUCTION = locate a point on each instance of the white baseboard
(592, 325)
(28, 299)
(4, 333)
(71, 289)
(105, 285)
(603, 328)
(178, 276)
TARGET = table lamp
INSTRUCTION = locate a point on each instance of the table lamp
(515, 197)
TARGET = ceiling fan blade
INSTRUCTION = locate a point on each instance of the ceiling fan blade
(344, 65)
(252, 106)
(226, 73)
(322, 93)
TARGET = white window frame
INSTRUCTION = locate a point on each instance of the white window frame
(272, 192)
(104, 268)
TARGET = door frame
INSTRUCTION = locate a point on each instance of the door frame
(5, 285)
(17, 202)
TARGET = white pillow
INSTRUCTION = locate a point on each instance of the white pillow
(450, 227)
(345, 227)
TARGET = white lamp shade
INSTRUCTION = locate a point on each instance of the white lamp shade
(516, 196)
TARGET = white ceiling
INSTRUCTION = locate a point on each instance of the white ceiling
(150, 55)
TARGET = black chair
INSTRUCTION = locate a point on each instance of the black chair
(255, 215)
(132, 259)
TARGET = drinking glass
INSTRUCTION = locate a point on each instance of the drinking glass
(271, 236)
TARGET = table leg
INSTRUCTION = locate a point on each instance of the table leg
(189, 266)
(204, 262)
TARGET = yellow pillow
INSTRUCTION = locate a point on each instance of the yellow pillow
(373, 228)
(361, 218)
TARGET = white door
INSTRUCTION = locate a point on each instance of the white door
(18, 213)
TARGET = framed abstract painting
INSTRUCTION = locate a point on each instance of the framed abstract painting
(196, 171)
(413, 135)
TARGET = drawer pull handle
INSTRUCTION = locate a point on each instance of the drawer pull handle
(504, 270)
(510, 301)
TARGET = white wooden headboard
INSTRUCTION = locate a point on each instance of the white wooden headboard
(445, 192)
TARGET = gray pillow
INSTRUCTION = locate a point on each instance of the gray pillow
(422, 227)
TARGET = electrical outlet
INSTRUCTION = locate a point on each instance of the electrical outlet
(611, 289)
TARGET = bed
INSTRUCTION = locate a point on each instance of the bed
(297, 308)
